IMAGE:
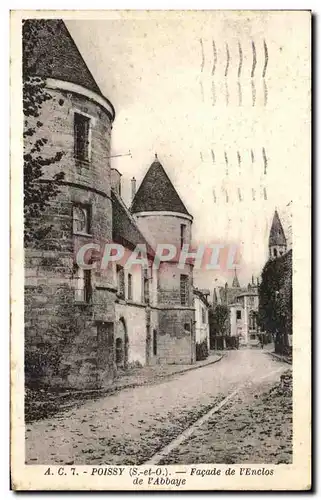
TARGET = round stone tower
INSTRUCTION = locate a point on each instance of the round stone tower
(69, 311)
(163, 219)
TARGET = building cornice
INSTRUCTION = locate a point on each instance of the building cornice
(74, 88)
(163, 214)
(76, 185)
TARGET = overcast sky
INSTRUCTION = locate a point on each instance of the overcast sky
(175, 81)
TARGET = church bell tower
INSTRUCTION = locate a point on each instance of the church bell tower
(277, 240)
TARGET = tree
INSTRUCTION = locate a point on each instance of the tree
(37, 194)
(218, 320)
(275, 295)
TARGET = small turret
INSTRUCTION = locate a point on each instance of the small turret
(277, 240)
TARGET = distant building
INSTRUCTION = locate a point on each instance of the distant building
(201, 306)
(243, 316)
(243, 303)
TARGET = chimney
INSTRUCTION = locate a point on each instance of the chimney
(133, 182)
(116, 180)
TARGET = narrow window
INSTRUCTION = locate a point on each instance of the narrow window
(130, 287)
(203, 315)
(154, 342)
(146, 287)
(83, 285)
(275, 252)
(238, 314)
(81, 219)
(81, 137)
(183, 233)
(120, 281)
(184, 289)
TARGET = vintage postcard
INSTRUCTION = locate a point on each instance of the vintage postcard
(160, 239)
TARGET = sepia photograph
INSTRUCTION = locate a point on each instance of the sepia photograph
(160, 285)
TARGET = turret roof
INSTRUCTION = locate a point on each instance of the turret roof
(277, 236)
(157, 193)
(53, 53)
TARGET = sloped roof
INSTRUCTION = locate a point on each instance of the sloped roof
(125, 230)
(202, 294)
(228, 295)
(157, 193)
(277, 236)
(248, 294)
(54, 53)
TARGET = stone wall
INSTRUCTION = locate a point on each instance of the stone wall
(134, 317)
(68, 344)
(176, 345)
(164, 228)
(169, 284)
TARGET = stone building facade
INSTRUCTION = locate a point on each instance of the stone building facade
(82, 325)
(243, 304)
(202, 328)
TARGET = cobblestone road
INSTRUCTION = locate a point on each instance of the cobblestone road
(131, 426)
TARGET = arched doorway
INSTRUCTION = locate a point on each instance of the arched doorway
(121, 344)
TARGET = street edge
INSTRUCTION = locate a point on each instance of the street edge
(279, 358)
(109, 391)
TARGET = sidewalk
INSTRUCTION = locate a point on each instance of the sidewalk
(284, 359)
(270, 350)
(39, 405)
(151, 374)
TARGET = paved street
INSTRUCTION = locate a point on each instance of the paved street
(131, 426)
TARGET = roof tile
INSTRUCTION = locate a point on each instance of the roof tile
(157, 193)
(55, 54)
(277, 236)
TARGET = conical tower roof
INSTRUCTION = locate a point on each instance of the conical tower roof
(51, 52)
(157, 193)
(277, 236)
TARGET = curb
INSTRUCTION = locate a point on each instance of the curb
(192, 367)
(279, 358)
(112, 390)
(109, 391)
